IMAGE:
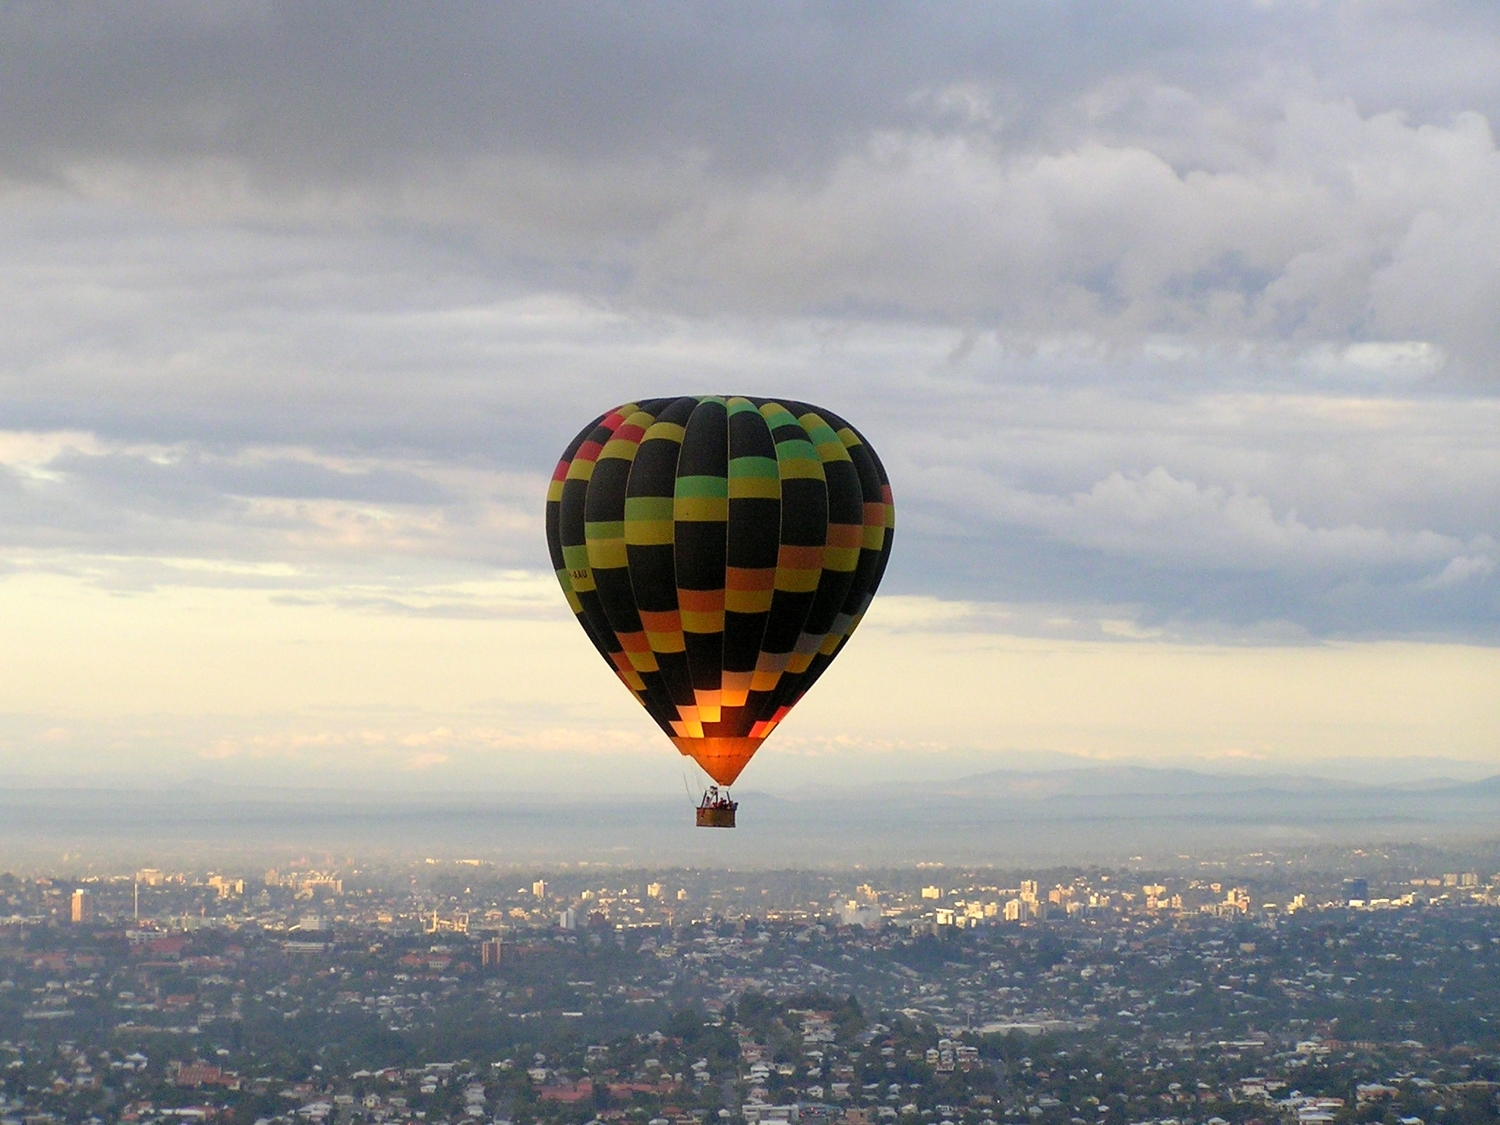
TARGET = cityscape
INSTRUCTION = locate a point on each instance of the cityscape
(1255, 988)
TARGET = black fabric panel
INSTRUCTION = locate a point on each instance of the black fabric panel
(846, 497)
(754, 532)
(749, 436)
(677, 678)
(570, 526)
(705, 652)
(606, 491)
(705, 446)
(618, 599)
(700, 555)
(804, 512)
(743, 633)
(784, 624)
(653, 577)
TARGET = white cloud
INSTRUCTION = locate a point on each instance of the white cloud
(1184, 524)
(1322, 225)
(1367, 238)
(1394, 362)
(1461, 569)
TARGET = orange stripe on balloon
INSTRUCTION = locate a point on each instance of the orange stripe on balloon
(634, 642)
(750, 580)
(661, 621)
(789, 557)
(700, 601)
(845, 534)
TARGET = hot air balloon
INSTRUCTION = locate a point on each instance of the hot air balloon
(719, 552)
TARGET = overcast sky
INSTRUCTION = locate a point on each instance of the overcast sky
(1174, 324)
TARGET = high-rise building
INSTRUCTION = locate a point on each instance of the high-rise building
(227, 887)
(568, 919)
(539, 889)
(489, 952)
(83, 905)
(932, 892)
(653, 890)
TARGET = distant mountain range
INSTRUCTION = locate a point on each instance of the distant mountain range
(1121, 781)
(998, 817)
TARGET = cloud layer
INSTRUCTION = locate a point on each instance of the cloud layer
(1184, 318)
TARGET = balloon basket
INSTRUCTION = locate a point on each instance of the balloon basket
(716, 818)
(716, 810)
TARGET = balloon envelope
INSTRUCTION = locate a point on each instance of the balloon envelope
(719, 552)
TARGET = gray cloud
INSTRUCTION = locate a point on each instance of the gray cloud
(1244, 173)
(317, 92)
(1187, 310)
(1260, 172)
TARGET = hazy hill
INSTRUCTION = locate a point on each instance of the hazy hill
(1002, 816)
